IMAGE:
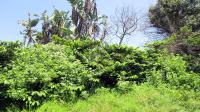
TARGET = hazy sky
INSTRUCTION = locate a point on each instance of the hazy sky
(14, 10)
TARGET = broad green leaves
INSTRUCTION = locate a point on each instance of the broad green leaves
(45, 72)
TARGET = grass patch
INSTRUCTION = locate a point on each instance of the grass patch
(142, 98)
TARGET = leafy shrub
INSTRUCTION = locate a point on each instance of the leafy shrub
(44, 72)
(185, 43)
(194, 40)
(109, 63)
(193, 63)
(172, 70)
(7, 50)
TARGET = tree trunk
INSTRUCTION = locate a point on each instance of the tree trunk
(121, 39)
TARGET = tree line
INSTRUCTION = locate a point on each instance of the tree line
(83, 21)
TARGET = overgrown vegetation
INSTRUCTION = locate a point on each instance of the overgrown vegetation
(64, 70)
(179, 18)
(68, 70)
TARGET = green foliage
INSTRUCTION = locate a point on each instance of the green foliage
(163, 44)
(171, 15)
(193, 63)
(87, 75)
(64, 71)
(110, 63)
(172, 70)
(79, 3)
(69, 69)
(53, 106)
(185, 43)
(7, 51)
(142, 98)
(84, 22)
(34, 22)
(44, 72)
(58, 23)
(179, 17)
(194, 39)
(189, 37)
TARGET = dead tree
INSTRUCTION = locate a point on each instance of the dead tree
(124, 22)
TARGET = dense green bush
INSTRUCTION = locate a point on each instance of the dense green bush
(172, 70)
(185, 43)
(193, 63)
(7, 50)
(110, 63)
(43, 72)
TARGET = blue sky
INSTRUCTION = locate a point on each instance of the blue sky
(14, 10)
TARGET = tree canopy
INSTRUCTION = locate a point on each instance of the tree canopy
(171, 15)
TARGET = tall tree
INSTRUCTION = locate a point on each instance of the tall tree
(29, 32)
(85, 17)
(57, 24)
(171, 15)
(180, 19)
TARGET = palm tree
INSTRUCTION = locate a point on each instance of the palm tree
(57, 24)
(60, 23)
(84, 17)
(29, 32)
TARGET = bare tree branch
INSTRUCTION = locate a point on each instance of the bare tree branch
(125, 22)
